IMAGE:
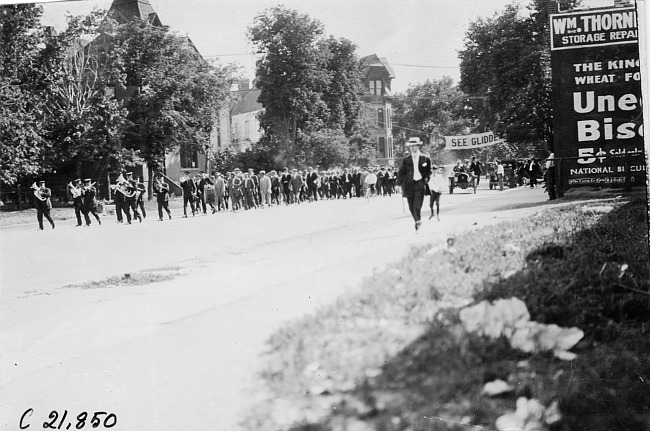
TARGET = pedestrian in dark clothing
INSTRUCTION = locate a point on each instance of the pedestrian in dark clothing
(414, 177)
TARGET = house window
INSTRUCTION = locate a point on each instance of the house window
(390, 147)
(389, 120)
(381, 148)
(381, 121)
(189, 159)
(375, 87)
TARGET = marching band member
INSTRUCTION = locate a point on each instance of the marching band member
(74, 188)
(139, 202)
(161, 189)
(189, 193)
(119, 198)
(90, 201)
(43, 203)
(131, 197)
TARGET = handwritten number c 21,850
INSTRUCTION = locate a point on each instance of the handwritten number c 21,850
(83, 419)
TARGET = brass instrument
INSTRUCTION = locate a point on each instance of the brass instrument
(123, 186)
(38, 193)
(74, 190)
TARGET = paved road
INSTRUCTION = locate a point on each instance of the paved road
(181, 354)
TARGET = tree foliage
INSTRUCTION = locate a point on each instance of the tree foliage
(505, 66)
(174, 92)
(310, 86)
(431, 110)
(23, 149)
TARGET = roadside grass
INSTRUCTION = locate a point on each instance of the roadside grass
(394, 356)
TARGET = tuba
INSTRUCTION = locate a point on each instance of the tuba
(122, 186)
(38, 193)
(74, 190)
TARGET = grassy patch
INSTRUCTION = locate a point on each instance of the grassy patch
(130, 279)
(393, 357)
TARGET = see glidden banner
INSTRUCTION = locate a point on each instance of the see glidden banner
(597, 111)
(468, 142)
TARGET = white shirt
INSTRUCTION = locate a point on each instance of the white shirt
(416, 167)
(500, 170)
(436, 183)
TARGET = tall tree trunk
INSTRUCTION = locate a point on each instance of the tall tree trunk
(18, 203)
(149, 182)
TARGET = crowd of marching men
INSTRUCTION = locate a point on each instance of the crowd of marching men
(238, 190)
(233, 191)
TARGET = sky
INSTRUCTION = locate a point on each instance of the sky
(420, 39)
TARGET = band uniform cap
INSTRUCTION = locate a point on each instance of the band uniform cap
(414, 141)
(40, 182)
(262, 172)
(87, 180)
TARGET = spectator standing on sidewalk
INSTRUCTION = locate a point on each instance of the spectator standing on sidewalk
(436, 185)
(500, 173)
(475, 168)
(550, 177)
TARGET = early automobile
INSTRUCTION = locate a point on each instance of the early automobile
(462, 180)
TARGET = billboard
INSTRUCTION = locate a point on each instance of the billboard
(596, 96)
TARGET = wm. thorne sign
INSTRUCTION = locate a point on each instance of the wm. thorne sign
(597, 28)
(597, 111)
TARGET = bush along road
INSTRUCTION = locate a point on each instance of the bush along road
(540, 323)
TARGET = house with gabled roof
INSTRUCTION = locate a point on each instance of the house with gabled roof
(377, 76)
(177, 161)
(244, 122)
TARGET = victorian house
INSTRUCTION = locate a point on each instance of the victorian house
(181, 159)
(377, 76)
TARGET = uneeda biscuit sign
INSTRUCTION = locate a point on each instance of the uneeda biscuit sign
(596, 97)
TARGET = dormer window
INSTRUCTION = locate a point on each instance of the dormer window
(376, 87)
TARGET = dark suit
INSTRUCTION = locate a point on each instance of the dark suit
(285, 180)
(43, 206)
(249, 193)
(312, 187)
(346, 184)
(414, 191)
(162, 198)
(90, 204)
(189, 194)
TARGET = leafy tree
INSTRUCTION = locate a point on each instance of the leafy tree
(174, 92)
(311, 86)
(342, 94)
(431, 110)
(505, 65)
(325, 148)
(85, 123)
(290, 73)
(363, 147)
(23, 149)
